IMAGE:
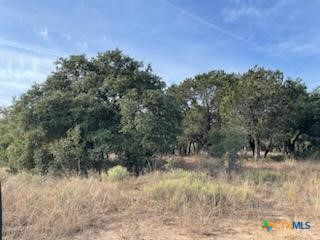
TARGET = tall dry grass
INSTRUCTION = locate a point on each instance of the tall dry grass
(80, 208)
(39, 208)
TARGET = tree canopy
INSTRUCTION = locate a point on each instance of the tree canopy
(90, 108)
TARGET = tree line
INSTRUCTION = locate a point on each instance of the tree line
(90, 108)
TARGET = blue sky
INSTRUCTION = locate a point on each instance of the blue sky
(180, 38)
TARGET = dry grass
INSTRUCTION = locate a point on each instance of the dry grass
(179, 190)
(176, 204)
(36, 208)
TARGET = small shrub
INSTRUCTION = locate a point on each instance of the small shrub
(227, 143)
(274, 158)
(117, 173)
(260, 176)
(223, 141)
(277, 158)
(174, 162)
(179, 189)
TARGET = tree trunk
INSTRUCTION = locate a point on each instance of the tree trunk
(284, 147)
(189, 148)
(185, 149)
(194, 147)
(251, 144)
(291, 144)
(268, 148)
(79, 167)
(256, 148)
(294, 142)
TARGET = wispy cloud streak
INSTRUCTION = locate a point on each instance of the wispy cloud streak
(29, 47)
(251, 44)
(225, 31)
(44, 33)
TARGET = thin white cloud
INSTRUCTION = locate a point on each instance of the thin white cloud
(16, 66)
(14, 86)
(18, 76)
(299, 47)
(18, 71)
(269, 50)
(231, 15)
(82, 45)
(253, 9)
(29, 47)
(226, 32)
(43, 33)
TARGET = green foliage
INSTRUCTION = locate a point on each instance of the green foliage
(223, 141)
(43, 160)
(200, 99)
(69, 152)
(75, 119)
(90, 108)
(256, 103)
(117, 173)
(226, 143)
(150, 124)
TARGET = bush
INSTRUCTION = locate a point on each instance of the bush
(275, 158)
(180, 189)
(117, 173)
(259, 176)
(225, 141)
(174, 163)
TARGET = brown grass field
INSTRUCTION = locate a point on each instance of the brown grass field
(195, 201)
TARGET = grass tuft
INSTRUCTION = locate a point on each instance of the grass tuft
(261, 176)
(117, 173)
(179, 189)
